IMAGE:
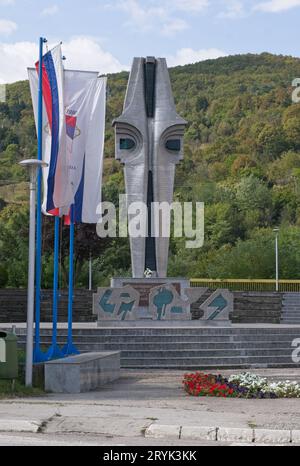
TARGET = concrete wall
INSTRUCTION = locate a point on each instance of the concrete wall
(13, 304)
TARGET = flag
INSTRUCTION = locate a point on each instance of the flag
(85, 126)
(59, 192)
(85, 100)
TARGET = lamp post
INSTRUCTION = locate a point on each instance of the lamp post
(90, 273)
(276, 231)
(33, 165)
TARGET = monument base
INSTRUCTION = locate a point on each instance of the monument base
(149, 323)
(160, 302)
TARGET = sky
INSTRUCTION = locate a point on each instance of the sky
(104, 35)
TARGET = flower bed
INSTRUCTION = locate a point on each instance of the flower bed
(245, 385)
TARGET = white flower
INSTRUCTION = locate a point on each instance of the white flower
(254, 383)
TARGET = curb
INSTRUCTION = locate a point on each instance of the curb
(223, 434)
(18, 425)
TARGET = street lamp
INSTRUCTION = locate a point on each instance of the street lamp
(33, 165)
(276, 231)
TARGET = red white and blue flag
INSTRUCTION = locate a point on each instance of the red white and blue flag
(58, 190)
(79, 155)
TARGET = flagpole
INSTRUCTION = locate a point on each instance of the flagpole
(38, 355)
(90, 272)
(69, 348)
(54, 351)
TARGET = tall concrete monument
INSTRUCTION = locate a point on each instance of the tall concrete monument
(149, 142)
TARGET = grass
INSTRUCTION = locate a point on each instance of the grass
(252, 424)
(7, 390)
(19, 390)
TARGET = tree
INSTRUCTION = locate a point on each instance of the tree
(255, 200)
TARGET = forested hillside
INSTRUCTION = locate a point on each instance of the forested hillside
(242, 158)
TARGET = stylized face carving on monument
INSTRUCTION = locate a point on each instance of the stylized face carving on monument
(149, 142)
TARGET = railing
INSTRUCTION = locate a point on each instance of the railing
(247, 285)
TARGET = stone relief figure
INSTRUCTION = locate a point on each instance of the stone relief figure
(116, 303)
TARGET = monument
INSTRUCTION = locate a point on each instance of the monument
(149, 144)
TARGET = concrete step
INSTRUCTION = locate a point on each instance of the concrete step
(292, 298)
(290, 317)
(182, 346)
(254, 339)
(291, 322)
(162, 354)
(291, 310)
(208, 361)
(186, 348)
(161, 350)
(216, 368)
(177, 352)
(172, 331)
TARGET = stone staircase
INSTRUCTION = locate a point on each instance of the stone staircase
(187, 348)
(291, 308)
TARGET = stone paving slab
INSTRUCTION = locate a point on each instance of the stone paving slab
(19, 425)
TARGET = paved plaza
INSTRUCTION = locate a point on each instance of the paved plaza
(124, 412)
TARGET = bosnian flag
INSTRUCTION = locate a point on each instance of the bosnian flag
(84, 118)
(58, 192)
